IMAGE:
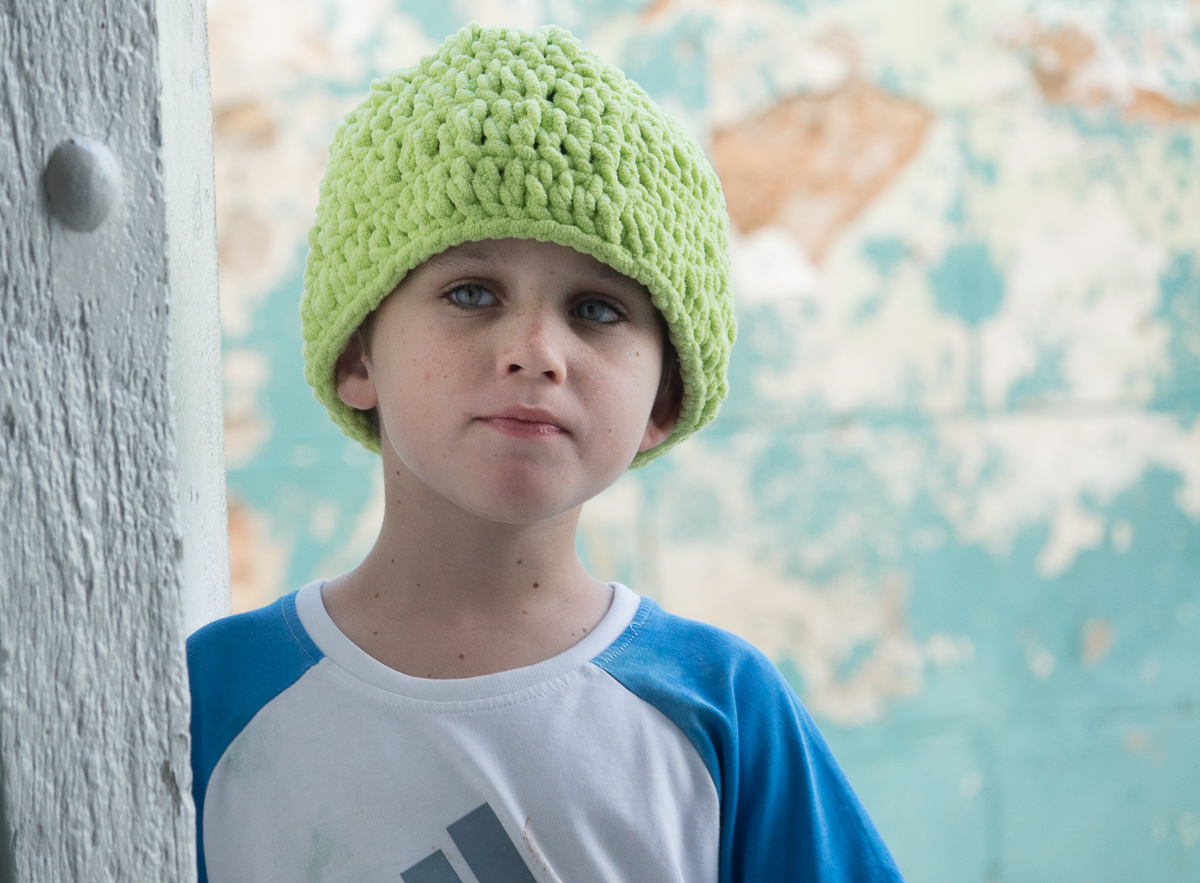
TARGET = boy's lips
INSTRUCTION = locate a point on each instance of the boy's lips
(522, 422)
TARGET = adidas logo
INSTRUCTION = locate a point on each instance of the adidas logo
(486, 848)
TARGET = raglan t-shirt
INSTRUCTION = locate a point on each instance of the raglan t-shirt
(655, 749)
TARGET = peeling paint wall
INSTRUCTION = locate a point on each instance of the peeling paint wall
(955, 490)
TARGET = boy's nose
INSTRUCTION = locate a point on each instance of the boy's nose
(533, 348)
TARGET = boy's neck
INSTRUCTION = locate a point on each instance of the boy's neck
(445, 594)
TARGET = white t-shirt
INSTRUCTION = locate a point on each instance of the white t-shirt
(655, 749)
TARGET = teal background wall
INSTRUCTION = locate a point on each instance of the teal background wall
(955, 491)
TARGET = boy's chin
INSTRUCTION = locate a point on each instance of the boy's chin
(526, 497)
(519, 517)
(514, 492)
(525, 503)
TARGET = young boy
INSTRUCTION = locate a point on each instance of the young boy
(518, 286)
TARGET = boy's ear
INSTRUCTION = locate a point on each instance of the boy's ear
(667, 405)
(353, 376)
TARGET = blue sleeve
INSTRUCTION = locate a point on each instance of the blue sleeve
(237, 665)
(788, 814)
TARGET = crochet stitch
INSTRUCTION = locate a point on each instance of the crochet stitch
(503, 133)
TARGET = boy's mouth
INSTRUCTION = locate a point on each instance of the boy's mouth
(522, 422)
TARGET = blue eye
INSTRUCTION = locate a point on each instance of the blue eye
(597, 311)
(466, 296)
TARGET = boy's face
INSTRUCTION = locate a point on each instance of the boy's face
(516, 379)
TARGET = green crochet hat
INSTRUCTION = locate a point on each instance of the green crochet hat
(504, 133)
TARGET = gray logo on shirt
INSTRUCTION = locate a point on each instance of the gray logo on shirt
(486, 848)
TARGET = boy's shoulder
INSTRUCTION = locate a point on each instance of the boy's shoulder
(785, 800)
(270, 637)
(725, 694)
(236, 665)
(694, 657)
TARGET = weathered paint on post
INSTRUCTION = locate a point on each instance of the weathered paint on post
(187, 151)
(6, 862)
(93, 688)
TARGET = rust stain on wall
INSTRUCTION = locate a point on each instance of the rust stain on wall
(813, 163)
(244, 123)
(1057, 57)
(1096, 642)
(1066, 65)
(257, 563)
(654, 9)
(1154, 107)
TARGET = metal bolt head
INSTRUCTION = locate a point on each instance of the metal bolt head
(83, 183)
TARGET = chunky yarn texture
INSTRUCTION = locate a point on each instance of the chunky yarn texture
(503, 133)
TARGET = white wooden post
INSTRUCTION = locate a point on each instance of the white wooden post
(191, 225)
(112, 518)
(6, 862)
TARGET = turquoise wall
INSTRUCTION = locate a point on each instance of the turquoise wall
(955, 490)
